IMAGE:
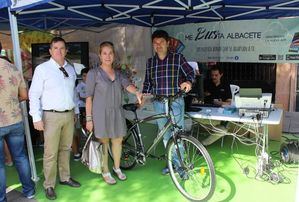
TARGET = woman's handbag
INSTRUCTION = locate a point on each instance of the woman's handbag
(92, 155)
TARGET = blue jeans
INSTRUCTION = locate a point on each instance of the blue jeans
(14, 136)
(178, 108)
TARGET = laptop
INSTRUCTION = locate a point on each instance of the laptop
(196, 107)
(205, 105)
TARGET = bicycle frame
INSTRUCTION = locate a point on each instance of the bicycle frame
(170, 123)
(186, 158)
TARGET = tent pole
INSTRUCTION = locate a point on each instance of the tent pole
(18, 63)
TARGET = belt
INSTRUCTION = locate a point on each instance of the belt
(55, 111)
(160, 98)
(163, 98)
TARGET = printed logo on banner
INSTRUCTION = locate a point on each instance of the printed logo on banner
(292, 57)
(294, 47)
(267, 57)
(279, 57)
(175, 45)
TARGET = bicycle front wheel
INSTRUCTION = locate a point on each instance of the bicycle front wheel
(194, 174)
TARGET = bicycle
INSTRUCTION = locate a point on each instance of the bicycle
(194, 175)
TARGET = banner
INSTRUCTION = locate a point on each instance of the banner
(21, 4)
(266, 41)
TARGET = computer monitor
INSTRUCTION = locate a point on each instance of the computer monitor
(197, 87)
(196, 95)
(195, 67)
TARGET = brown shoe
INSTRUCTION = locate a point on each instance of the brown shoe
(50, 193)
(71, 182)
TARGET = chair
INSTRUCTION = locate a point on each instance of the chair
(194, 65)
(234, 89)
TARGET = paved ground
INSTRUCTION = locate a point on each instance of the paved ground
(15, 196)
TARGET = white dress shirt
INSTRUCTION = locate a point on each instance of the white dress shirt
(51, 90)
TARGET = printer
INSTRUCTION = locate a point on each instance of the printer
(251, 101)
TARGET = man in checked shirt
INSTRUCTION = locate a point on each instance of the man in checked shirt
(167, 73)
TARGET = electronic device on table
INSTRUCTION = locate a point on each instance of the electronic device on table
(252, 102)
(195, 96)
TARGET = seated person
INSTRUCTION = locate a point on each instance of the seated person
(216, 91)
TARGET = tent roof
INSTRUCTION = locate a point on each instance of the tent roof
(93, 13)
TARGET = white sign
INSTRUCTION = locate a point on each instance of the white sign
(269, 41)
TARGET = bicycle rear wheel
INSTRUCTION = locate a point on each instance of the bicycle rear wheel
(129, 150)
(195, 179)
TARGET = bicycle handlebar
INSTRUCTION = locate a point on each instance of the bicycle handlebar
(134, 106)
(164, 98)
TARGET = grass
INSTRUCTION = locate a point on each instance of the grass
(147, 184)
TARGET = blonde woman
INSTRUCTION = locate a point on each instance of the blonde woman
(104, 112)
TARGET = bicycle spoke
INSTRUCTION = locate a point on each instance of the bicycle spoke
(195, 179)
(129, 151)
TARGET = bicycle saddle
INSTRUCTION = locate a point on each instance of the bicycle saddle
(131, 107)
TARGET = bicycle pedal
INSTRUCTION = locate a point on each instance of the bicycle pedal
(141, 162)
(275, 178)
(141, 159)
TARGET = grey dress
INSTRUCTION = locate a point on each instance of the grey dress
(107, 112)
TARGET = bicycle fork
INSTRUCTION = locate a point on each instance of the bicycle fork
(178, 147)
(175, 136)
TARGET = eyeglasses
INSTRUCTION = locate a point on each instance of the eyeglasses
(64, 72)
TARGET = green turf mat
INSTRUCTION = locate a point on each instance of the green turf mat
(147, 184)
